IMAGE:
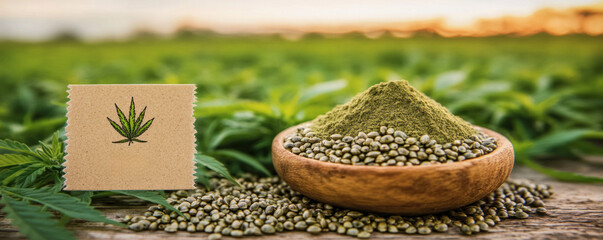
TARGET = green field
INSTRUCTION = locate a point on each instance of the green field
(545, 93)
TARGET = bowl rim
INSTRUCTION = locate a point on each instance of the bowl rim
(501, 141)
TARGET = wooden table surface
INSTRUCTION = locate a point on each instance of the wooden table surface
(575, 211)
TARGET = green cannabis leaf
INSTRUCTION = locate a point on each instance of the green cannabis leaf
(64, 203)
(33, 221)
(131, 127)
(31, 167)
(213, 164)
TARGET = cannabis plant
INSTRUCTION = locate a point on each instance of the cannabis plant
(131, 127)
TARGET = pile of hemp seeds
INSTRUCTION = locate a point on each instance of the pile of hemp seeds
(387, 147)
(265, 206)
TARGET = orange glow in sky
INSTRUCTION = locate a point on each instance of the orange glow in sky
(93, 19)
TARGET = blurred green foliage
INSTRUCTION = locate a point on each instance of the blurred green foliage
(545, 93)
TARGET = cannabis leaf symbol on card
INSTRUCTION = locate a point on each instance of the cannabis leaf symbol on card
(131, 127)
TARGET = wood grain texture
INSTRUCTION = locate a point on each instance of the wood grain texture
(407, 190)
(575, 212)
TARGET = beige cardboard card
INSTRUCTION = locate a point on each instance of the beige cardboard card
(148, 144)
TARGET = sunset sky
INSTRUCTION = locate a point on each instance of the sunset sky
(94, 19)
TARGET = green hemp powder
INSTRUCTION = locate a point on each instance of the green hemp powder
(397, 105)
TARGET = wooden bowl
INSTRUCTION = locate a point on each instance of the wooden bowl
(405, 190)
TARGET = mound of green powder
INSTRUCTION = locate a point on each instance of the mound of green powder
(394, 104)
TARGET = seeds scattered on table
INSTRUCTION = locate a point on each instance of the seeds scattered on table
(269, 206)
